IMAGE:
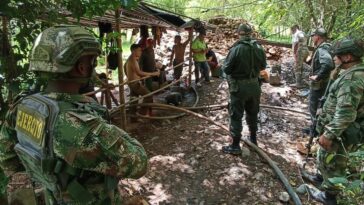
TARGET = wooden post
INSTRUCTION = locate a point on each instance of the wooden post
(120, 71)
(107, 94)
(190, 34)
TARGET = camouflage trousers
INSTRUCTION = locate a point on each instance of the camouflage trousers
(302, 54)
(244, 97)
(334, 164)
(3, 185)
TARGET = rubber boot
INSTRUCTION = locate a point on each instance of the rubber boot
(314, 179)
(298, 83)
(253, 139)
(234, 148)
(322, 196)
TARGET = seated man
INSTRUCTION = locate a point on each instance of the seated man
(133, 72)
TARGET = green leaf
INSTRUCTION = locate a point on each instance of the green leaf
(329, 158)
(355, 185)
(338, 180)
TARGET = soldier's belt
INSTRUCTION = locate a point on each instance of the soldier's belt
(246, 80)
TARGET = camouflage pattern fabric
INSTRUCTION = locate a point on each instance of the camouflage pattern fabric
(342, 121)
(3, 185)
(302, 54)
(85, 141)
(58, 48)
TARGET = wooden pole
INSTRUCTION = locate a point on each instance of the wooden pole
(107, 94)
(120, 71)
(190, 33)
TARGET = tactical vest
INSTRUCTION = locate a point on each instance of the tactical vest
(35, 122)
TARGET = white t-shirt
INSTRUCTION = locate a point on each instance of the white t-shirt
(296, 36)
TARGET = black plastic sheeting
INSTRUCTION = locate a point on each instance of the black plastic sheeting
(170, 18)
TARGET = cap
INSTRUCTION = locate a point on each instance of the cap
(320, 32)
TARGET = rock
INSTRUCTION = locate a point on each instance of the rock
(258, 176)
(275, 79)
(193, 161)
(208, 131)
(245, 152)
(302, 189)
(284, 197)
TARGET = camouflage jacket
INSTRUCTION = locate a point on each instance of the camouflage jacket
(83, 139)
(322, 62)
(344, 106)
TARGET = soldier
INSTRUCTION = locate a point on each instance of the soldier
(243, 63)
(302, 54)
(340, 125)
(296, 35)
(322, 64)
(62, 138)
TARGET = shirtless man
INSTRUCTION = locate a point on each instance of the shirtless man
(178, 55)
(133, 72)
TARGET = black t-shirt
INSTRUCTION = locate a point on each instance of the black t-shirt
(209, 54)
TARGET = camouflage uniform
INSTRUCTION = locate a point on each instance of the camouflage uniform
(302, 54)
(342, 121)
(244, 62)
(83, 156)
(3, 184)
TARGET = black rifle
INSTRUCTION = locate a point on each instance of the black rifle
(313, 132)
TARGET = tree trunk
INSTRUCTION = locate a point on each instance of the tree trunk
(312, 12)
(7, 54)
(349, 7)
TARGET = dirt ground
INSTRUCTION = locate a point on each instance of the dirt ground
(186, 165)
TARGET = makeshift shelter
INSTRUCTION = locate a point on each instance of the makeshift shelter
(142, 15)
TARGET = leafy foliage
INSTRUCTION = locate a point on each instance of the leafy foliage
(23, 20)
(353, 185)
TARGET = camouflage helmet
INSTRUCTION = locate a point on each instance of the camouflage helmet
(57, 49)
(244, 29)
(348, 46)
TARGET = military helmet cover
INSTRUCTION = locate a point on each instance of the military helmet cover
(57, 49)
(348, 46)
(320, 32)
(244, 29)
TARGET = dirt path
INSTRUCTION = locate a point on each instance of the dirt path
(188, 167)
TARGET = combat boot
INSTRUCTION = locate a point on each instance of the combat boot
(314, 179)
(231, 149)
(234, 148)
